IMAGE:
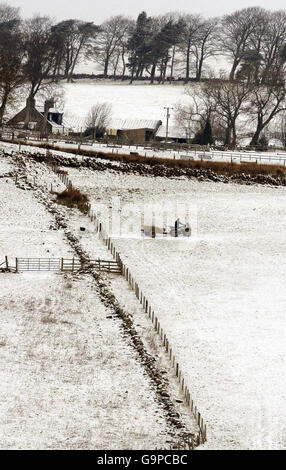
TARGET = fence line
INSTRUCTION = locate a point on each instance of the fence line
(200, 151)
(125, 271)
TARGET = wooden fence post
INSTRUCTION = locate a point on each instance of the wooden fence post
(7, 264)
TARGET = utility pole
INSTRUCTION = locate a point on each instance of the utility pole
(168, 115)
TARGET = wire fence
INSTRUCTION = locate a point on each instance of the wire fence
(151, 149)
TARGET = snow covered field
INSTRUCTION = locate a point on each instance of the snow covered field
(137, 101)
(26, 229)
(69, 378)
(221, 300)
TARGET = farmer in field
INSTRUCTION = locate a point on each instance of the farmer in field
(183, 229)
(178, 224)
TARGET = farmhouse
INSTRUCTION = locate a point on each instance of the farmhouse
(46, 119)
(133, 130)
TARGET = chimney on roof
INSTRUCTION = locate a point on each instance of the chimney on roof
(30, 101)
(48, 104)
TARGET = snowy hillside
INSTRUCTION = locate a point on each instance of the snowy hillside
(136, 101)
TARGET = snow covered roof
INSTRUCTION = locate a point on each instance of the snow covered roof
(129, 124)
(76, 123)
(173, 132)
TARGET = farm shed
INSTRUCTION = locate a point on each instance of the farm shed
(75, 125)
(176, 134)
(46, 119)
(133, 130)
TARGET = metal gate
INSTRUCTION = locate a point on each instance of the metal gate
(38, 264)
(65, 264)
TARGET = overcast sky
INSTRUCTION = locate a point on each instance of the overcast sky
(98, 10)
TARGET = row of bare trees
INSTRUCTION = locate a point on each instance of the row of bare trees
(252, 40)
(228, 105)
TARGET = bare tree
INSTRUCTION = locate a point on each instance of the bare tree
(228, 99)
(273, 42)
(72, 41)
(186, 119)
(193, 115)
(98, 119)
(123, 45)
(189, 36)
(266, 102)
(176, 18)
(253, 57)
(165, 35)
(39, 58)
(8, 13)
(205, 44)
(120, 55)
(110, 40)
(236, 30)
(11, 58)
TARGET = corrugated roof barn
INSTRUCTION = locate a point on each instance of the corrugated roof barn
(177, 134)
(133, 130)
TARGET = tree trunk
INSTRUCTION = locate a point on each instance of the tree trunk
(106, 64)
(132, 76)
(256, 135)
(172, 62)
(138, 70)
(161, 71)
(199, 70)
(233, 142)
(188, 63)
(123, 71)
(227, 135)
(164, 70)
(233, 69)
(123, 65)
(75, 59)
(153, 70)
(3, 107)
(115, 66)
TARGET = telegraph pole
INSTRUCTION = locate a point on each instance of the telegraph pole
(168, 115)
